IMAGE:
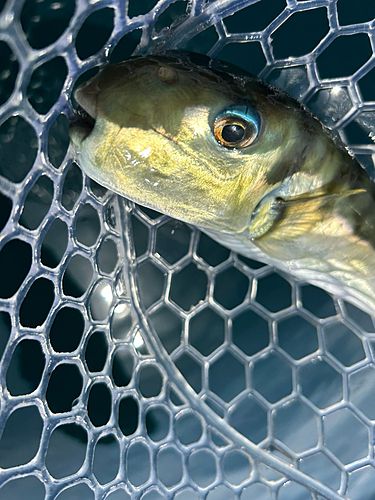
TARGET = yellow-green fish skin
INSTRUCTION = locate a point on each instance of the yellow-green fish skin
(293, 198)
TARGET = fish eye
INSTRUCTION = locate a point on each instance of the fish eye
(236, 127)
(233, 132)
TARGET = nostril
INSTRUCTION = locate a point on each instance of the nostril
(167, 75)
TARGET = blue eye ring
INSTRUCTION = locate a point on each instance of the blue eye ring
(236, 127)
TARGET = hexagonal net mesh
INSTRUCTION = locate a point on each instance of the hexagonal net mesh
(140, 359)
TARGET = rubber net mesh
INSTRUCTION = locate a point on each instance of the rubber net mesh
(139, 358)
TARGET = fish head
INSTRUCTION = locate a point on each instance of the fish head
(201, 143)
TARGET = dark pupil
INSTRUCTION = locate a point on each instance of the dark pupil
(232, 133)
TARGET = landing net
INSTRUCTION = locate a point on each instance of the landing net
(139, 358)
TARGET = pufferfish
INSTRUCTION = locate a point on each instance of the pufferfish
(211, 145)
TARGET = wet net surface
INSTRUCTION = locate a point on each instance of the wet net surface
(139, 358)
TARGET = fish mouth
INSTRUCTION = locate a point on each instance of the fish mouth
(83, 124)
(81, 127)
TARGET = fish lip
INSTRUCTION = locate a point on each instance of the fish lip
(86, 114)
(86, 96)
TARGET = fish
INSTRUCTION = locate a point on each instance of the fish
(214, 146)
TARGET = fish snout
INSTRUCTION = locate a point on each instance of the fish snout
(88, 95)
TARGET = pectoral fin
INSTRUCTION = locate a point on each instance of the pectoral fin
(287, 218)
(320, 194)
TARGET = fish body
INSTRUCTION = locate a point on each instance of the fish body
(213, 146)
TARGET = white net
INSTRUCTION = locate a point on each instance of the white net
(139, 358)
